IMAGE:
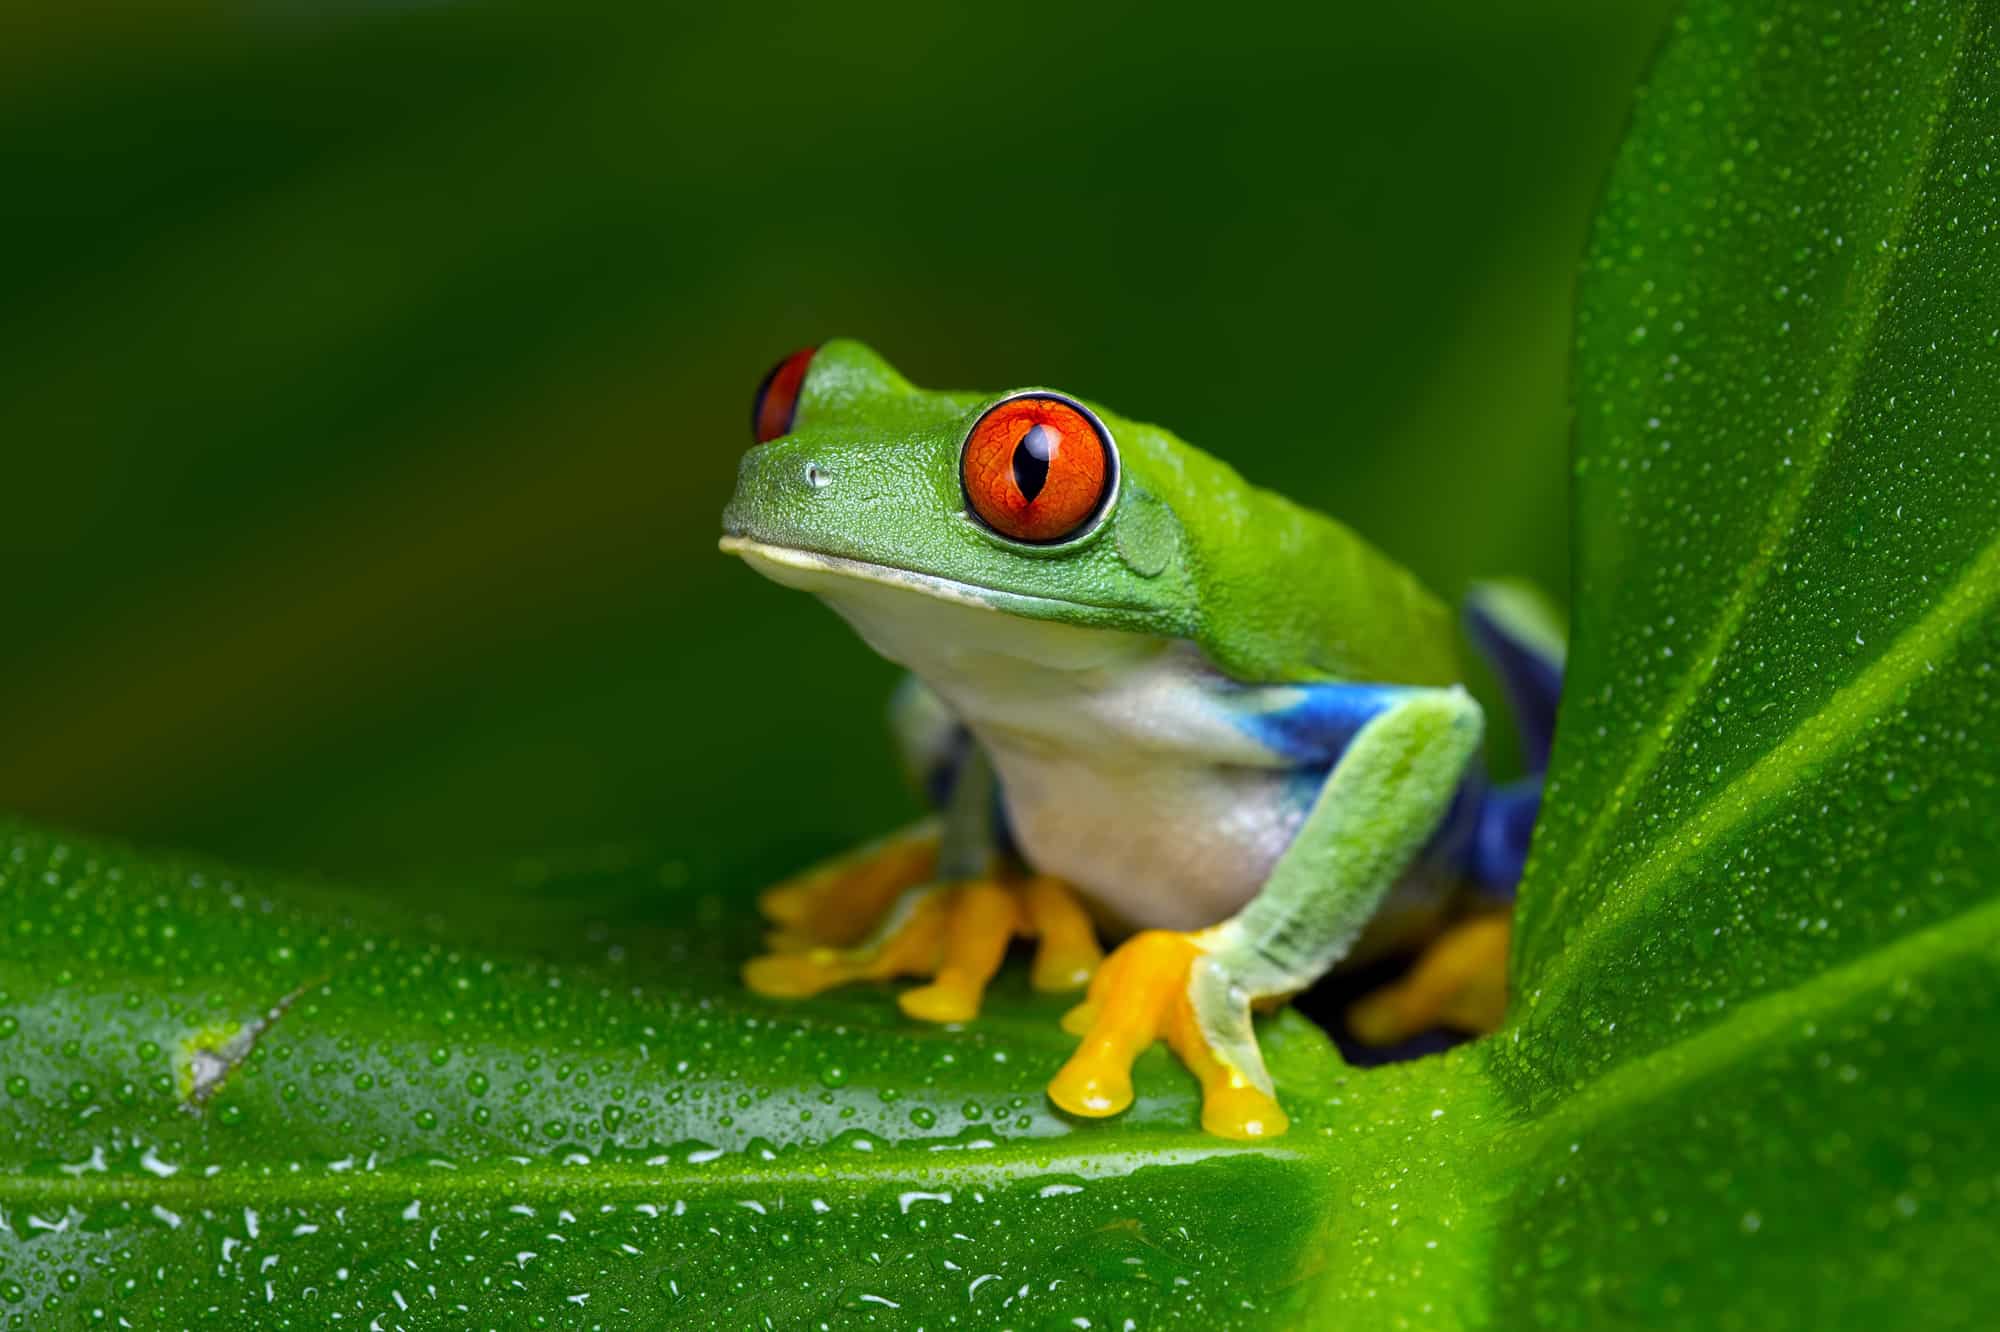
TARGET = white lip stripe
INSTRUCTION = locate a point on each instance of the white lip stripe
(812, 561)
(761, 555)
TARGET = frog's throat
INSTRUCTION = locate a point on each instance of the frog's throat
(812, 571)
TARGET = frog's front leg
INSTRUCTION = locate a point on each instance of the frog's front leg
(1386, 794)
(941, 900)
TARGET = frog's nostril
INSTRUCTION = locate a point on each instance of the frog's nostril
(818, 477)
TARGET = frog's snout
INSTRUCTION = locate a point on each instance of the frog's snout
(771, 487)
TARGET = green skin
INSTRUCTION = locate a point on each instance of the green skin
(1269, 593)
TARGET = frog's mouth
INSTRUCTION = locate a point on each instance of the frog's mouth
(816, 572)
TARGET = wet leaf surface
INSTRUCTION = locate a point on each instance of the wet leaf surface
(1756, 956)
(1748, 1079)
(273, 1103)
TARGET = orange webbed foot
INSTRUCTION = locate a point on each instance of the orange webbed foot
(1141, 994)
(1459, 981)
(837, 903)
(877, 915)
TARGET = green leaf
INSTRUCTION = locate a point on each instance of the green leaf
(283, 1103)
(1757, 1017)
(1749, 1076)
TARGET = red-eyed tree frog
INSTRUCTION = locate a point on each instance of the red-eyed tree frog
(1145, 697)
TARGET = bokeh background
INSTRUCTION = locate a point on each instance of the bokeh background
(373, 375)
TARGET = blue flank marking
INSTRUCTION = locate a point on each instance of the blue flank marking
(1498, 850)
(1316, 728)
(1315, 731)
(1485, 835)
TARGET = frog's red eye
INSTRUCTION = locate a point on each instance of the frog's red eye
(1038, 467)
(777, 400)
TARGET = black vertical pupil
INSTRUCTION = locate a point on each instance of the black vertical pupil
(1031, 459)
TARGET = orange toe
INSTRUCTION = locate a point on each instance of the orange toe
(1460, 981)
(836, 904)
(1138, 996)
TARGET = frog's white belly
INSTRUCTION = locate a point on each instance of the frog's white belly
(1120, 767)
(1132, 784)
(1154, 846)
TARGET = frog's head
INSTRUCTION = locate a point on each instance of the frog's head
(1031, 503)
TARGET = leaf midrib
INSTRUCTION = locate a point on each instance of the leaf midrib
(510, 1179)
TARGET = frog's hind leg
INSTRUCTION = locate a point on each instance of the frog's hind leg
(1460, 978)
(1459, 981)
(838, 902)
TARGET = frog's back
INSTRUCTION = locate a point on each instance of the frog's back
(1289, 594)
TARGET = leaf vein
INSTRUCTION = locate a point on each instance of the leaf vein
(600, 1180)
(1917, 650)
(1756, 1024)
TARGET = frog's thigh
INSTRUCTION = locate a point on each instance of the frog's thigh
(1387, 794)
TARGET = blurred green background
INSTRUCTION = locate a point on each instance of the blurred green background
(374, 375)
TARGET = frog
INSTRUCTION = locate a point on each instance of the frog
(1149, 703)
